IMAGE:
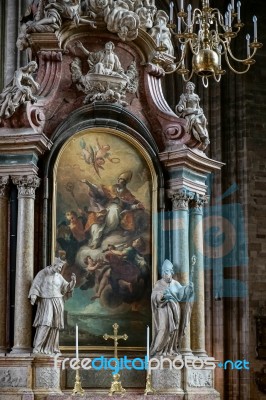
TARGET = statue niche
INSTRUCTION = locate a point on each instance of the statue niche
(106, 80)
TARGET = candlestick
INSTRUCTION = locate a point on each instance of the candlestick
(255, 28)
(248, 48)
(148, 344)
(229, 15)
(238, 11)
(219, 55)
(178, 24)
(171, 12)
(77, 341)
(189, 8)
(226, 15)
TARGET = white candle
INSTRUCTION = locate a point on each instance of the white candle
(182, 5)
(248, 42)
(77, 341)
(219, 55)
(171, 12)
(238, 11)
(189, 8)
(158, 39)
(148, 344)
(178, 24)
(255, 28)
(230, 16)
(226, 19)
(233, 4)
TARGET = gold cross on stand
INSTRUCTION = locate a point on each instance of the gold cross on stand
(116, 386)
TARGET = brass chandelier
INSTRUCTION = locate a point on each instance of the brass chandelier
(207, 35)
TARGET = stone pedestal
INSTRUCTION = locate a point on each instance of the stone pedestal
(187, 379)
(16, 378)
(46, 377)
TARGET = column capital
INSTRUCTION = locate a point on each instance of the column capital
(4, 181)
(26, 185)
(198, 202)
(180, 199)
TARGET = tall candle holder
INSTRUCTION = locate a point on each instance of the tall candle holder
(77, 387)
(149, 388)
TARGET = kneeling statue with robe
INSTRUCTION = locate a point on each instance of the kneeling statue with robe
(49, 290)
(171, 309)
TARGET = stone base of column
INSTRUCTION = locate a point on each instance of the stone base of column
(200, 353)
(16, 378)
(21, 351)
(2, 351)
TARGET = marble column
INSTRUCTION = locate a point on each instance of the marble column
(3, 259)
(196, 248)
(180, 247)
(24, 266)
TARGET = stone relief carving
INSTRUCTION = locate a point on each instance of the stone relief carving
(201, 378)
(106, 80)
(166, 379)
(15, 377)
(47, 378)
(189, 108)
(19, 91)
(48, 16)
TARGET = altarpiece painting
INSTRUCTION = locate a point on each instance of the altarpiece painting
(102, 216)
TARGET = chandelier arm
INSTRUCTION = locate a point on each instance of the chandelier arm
(176, 68)
(217, 79)
(186, 80)
(238, 60)
(220, 17)
(191, 48)
(234, 70)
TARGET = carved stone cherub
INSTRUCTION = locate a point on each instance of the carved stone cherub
(19, 90)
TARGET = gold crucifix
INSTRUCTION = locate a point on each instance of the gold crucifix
(116, 386)
(115, 337)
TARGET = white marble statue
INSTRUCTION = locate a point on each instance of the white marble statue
(160, 32)
(19, 90)
(169, 320)
(49, 290)
(189, 108)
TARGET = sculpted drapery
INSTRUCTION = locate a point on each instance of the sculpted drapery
(169, 316)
